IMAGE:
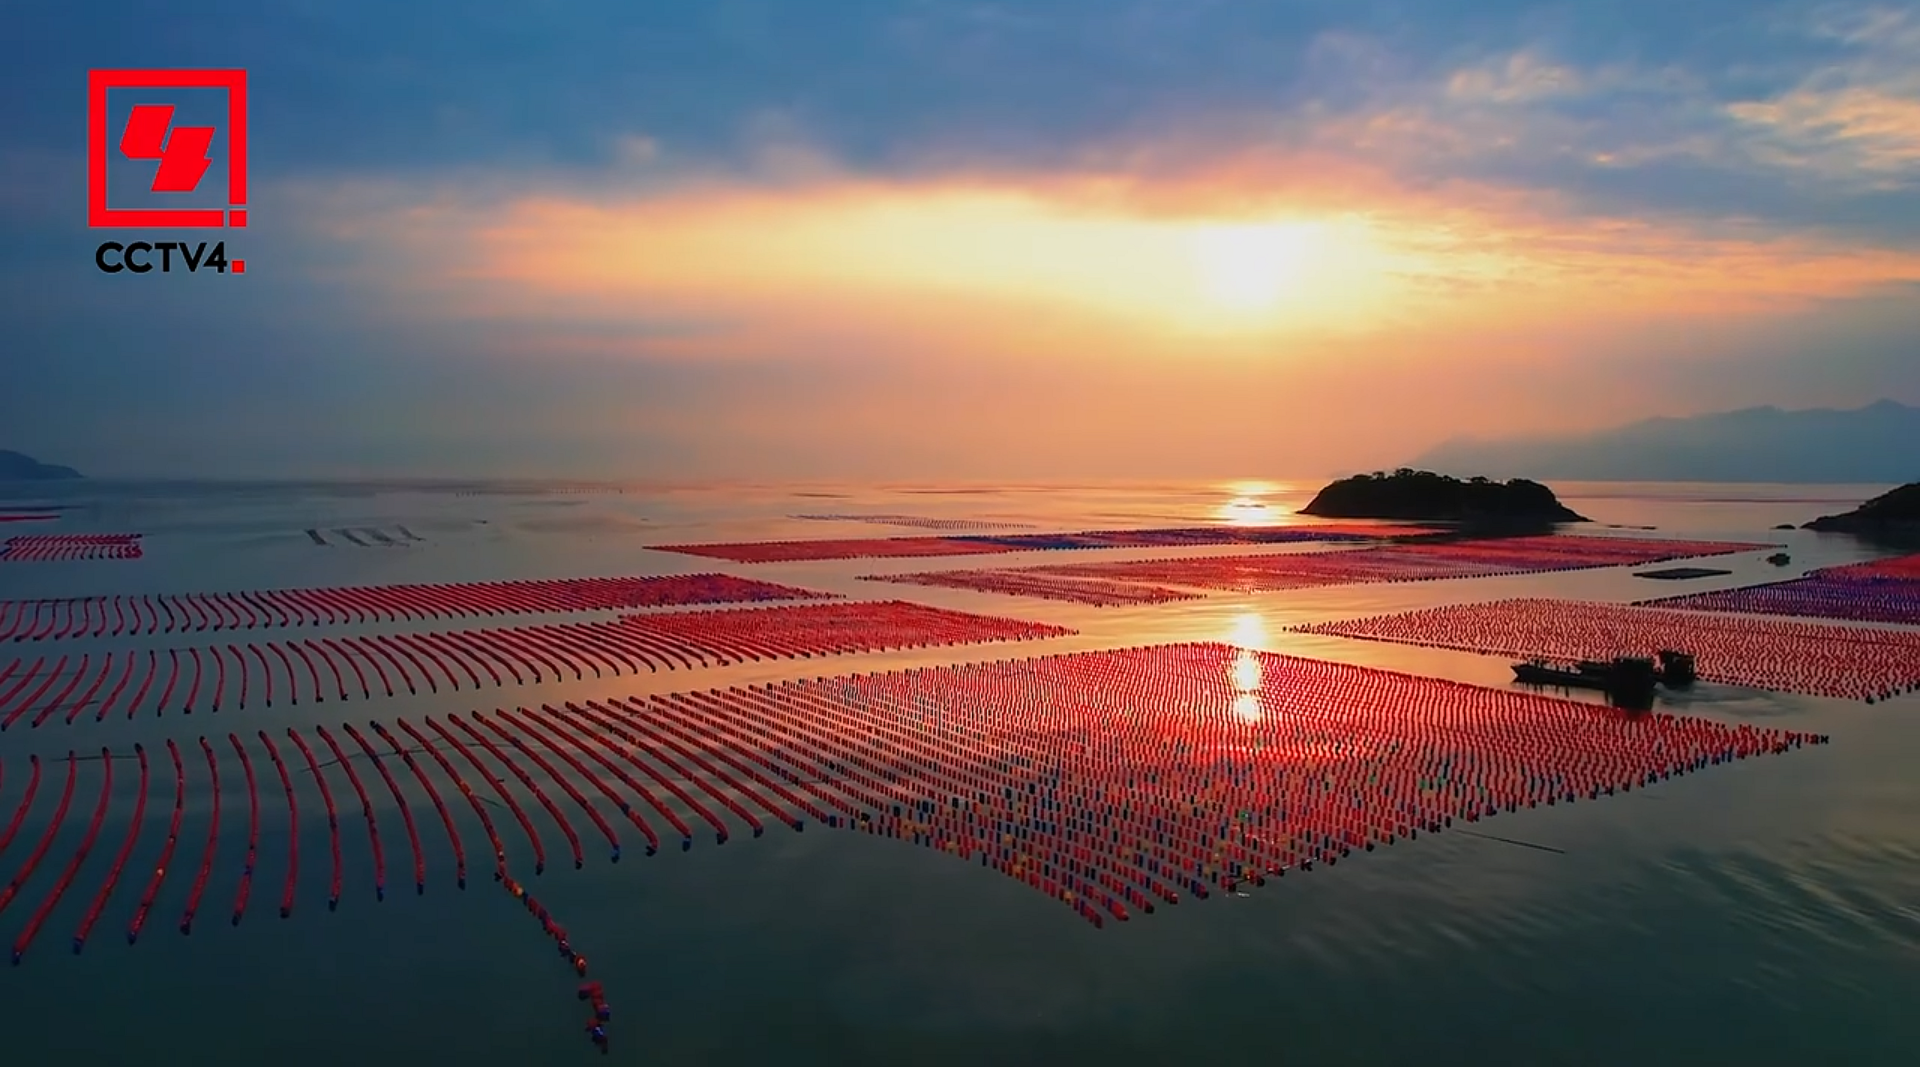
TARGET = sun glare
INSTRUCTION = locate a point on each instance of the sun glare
(1251, 268)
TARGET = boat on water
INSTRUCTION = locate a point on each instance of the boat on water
(1629, 680)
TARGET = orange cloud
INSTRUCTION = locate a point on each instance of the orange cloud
(1172, 264)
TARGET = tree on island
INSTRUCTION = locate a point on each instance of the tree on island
(1424, 495)
(1896, 510)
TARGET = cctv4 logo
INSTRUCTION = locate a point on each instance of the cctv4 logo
(182, 156)
(114, 257)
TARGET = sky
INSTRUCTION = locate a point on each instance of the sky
(1035, 239)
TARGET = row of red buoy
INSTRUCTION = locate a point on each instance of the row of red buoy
(1096, 592)
(65, 881)
(1784, 655)
(1878, 591)
(115, 616)
(399, 801)
(1424, 561)
(366, 811)
(54, 548)
(199, 887)
(45, 687)
(1891, 568)
(152, 890)
(993, 544)
(333, 816)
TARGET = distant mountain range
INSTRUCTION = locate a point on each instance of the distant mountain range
(1876, 443)
(22, 468)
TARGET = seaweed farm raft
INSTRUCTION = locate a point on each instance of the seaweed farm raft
(1112, 782)
(1132, 582)
(117, 616)
(62, 548)
(1881, 591)
(235, 675)
(984, 545)
(1784, 655)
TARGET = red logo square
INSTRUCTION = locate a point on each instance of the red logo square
(180, 150)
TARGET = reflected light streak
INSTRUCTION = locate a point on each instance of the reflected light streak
(1249, 630)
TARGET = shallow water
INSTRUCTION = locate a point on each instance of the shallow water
(1767, 911)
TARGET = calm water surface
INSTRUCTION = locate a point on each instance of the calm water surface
(1765, 912)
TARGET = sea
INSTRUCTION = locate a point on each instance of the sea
(1765, 912)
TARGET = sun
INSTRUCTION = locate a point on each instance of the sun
(1251, 268)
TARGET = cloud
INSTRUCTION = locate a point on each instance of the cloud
(749, 232)
(1856, 120)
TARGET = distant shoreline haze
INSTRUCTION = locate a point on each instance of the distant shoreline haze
(1875, 444)
(1871, 445)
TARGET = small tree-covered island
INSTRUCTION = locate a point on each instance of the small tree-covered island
(1897, 509)
(1424, 495)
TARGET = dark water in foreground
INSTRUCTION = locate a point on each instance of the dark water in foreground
(1765, 912)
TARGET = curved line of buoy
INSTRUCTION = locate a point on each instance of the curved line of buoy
(479, 809)
(46, 839)
(173, 676)
(691, 733)
(661, 740)
(653, 801)
(439, 805)
(594, 711)
(499, 788)
(333, 815)
(166, 850)
(26, 801)
(86, 698)
(567, 787)
(79, 672)
(59, 666)
(65, 881)
(26, 679)
(146, 683)
(549, 734)
(566, 827)
(213, 841)
(99, 904)
(406, 810)
(366, 808)
(697, 720)
(118, 687)
(293, 824)
(253, 830)
(193, 688)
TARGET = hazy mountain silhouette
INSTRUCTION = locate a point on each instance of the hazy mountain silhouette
(17, 467)
(1876, 443)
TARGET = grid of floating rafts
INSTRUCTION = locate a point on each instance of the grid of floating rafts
(1882, 591)
(51, 548)
(115, 616)
(1784, 655)
(1110, 781)
(366, 536)
(233, 676)
(985, 544)
(1100, 593)
(1151, 581)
